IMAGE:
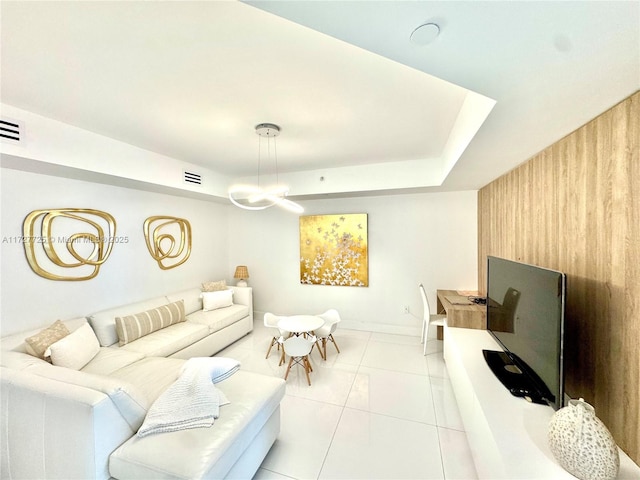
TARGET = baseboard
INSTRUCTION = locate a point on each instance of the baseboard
(369, 326)
(381, 328)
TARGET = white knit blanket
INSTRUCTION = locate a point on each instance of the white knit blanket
(192, 401)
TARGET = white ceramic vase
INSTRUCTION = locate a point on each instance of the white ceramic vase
(582, 444)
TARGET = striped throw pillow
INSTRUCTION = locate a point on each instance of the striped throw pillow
(132, 327)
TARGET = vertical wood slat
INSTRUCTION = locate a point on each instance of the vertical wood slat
(630, 335)
(575, 207)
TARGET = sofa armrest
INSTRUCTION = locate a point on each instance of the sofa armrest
(52, 429)
(243, 296)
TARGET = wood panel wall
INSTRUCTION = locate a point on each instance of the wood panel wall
(575, 207)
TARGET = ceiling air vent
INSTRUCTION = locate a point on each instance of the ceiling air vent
(10, 131)
(192, 178)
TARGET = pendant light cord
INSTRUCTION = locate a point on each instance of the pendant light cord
(275, 155)
(259, 157)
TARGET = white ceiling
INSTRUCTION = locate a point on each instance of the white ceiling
(190, 80)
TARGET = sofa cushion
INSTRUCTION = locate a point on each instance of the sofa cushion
(215, 300)
(191, 297)
(132, 327)
(151, 375)
(218, 319)
(104, 322)
(128, 399)
(168, 341)
(38, 344)
(75, 350)
(204, 452)
(108, 360)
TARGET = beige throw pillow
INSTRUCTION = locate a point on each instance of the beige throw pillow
(37, 344)
(132, 327)
(214, 286)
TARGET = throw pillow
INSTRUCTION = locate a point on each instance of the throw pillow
(215, 300)
(76, 349)
(214, 286)
(37, 344)
(132, 327)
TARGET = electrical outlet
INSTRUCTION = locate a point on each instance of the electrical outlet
(405, 309)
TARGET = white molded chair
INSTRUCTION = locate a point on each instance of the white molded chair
(331, 319)
(271, 321)
(298, 348)
(428, 319)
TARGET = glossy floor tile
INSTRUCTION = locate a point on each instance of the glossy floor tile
(367, 445)
(379, 409)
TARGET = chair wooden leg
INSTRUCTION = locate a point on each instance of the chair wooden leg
(286, 374)
(334, 343)
(281, 357)
(307, 368)
(273, 340)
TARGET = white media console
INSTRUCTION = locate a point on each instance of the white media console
(507, 435)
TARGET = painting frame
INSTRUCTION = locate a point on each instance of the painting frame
(334, 250)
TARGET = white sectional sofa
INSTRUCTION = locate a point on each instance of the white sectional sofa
(58, 422)
(203, 334)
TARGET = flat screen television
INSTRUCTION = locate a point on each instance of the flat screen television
(525, 314)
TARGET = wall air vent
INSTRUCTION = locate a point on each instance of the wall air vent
(192, 178)
(11, 131)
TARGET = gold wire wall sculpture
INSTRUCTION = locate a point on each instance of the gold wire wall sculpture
(160, 233)
(54, 252)
(334, 250)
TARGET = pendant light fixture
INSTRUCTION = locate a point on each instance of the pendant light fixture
(260, 197)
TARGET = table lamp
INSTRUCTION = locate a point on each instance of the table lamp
(242, 273)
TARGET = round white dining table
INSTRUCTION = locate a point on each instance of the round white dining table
(298, 324)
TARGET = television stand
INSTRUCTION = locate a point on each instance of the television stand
(507, 435)
(519, 383)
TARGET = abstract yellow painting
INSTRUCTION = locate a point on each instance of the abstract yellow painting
(334, 250)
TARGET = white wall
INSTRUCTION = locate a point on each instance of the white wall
(130, 274)
(429, 238)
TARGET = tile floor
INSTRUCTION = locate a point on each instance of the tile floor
(378, 410)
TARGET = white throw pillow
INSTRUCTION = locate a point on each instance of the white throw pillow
(76, 349)
(215, 300)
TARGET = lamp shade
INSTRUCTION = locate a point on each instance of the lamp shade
(241, 272)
